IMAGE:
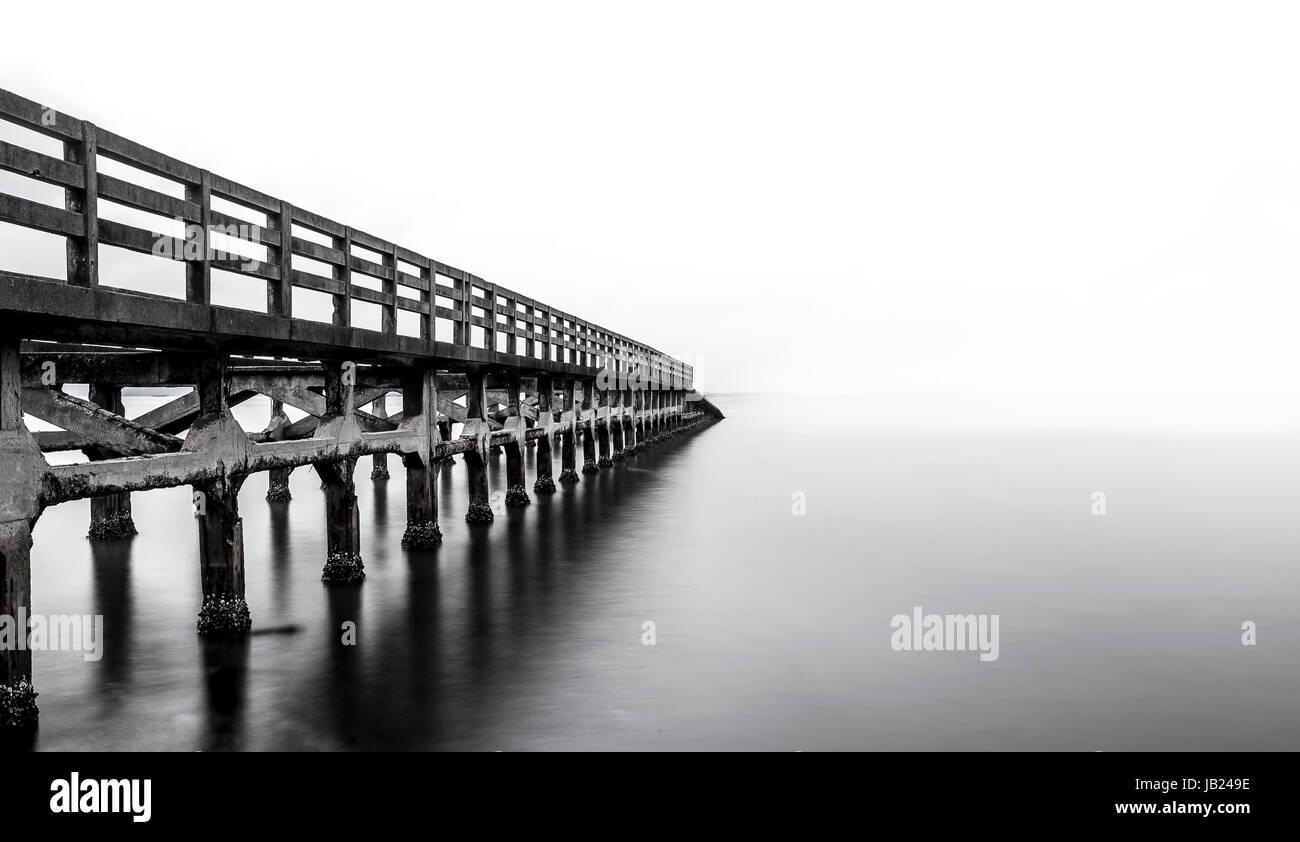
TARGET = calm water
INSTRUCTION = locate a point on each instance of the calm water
(1117, 632)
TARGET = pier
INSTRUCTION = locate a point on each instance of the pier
(472, 365)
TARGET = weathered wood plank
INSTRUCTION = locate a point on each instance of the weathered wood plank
(29, 214)
(40, 167)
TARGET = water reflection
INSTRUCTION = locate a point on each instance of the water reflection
(772, 629)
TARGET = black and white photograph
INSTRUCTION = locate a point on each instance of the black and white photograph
(886, 378)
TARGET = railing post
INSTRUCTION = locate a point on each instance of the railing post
(198, 273)
(388, 315)
(279, 294)
(430, 299)
(462, 332)
(343, 300)
(490, 332)
(83, 252)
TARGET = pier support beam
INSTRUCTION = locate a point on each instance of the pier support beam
(17, 696)
(657, 415)
(545, 483)
(110, 515)
(221, 558)
(638, 421)
(568, 452)
(477, 429)
(20, 484)
(420, 407)
(588, 424)
(602, 432)
(343, 564)
(224, 611)
(277, 487)
(629, 422)
(615, 428)
(379, 462)
(516, 492)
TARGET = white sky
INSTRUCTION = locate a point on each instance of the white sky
(1002, 198)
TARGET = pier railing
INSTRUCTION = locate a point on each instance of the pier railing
(451, 314)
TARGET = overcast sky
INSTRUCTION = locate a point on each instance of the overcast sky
(1003, 198)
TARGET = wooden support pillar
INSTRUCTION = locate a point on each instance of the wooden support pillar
(647, 418)
(601, 424)
(477, 428)
(343, 564)
(221, 558)
(19, 508)
(629, 422)
(110, 515)
(638, 422)
(516, 492)
(216, 509)
(656, 417)
(601, 401)
(587, 423)
(420, 399)
(568, 452)
(379, 462)
(616, 426)
(277, 488)
(17, 696)
(545, 483)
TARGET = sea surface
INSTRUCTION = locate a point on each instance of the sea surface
(771, 552)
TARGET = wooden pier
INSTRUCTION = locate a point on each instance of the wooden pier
(477, 367)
